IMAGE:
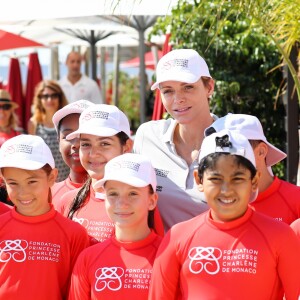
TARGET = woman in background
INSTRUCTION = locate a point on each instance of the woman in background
(8, 129)
(48, 99)
(8, 119)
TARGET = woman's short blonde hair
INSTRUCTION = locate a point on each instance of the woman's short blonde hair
(38, 110)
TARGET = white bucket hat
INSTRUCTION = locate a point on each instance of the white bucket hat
(76, 107)
(184, 65)
(130, 168)
(101, 120)
(251, 128)
(25, 151)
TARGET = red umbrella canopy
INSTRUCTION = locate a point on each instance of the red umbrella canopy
(14, 86)
(10, 40)
(34, 76)
(149, 61)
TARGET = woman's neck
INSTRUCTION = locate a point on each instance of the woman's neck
(188, 139)
(5, 129)
(47, 120)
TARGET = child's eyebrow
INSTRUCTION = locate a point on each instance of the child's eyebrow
(100, 138)
(67, 130)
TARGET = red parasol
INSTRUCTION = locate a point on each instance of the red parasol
(10, 40)
(158, 108)
(149, 61)
(34, 76)
(14, 86)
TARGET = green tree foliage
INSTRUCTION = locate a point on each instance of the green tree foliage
(241, 58)
(129, 97)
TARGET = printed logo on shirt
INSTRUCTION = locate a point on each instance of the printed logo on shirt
(96, 115)
(115, 278)
(214, 260)
(161, 173)
(99, 230)
(13, 250)
(21, 250)
(159, 188)
(83, 222)
(108, 277)
(205, 259)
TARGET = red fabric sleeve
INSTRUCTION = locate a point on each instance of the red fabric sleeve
(165, 277)
(80, 287)
(4, 208)
(296, 227)
(63, 206)
(288, 265)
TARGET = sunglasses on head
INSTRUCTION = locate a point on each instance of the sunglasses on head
(5, 106)
(51, 96)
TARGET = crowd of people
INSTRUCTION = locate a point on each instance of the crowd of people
(187, 209)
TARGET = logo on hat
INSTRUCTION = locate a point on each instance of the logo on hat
(178, 62)
(80, 105)
(96, 115)
(21, 148)
(126, 165)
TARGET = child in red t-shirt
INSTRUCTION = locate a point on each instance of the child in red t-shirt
(66, 120)
(296, 227)
(4, 208)
(231, 251)
(38, 246)
(103, 133)
(121, 267)
(276, 198)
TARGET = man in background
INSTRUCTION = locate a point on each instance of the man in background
(76, 85)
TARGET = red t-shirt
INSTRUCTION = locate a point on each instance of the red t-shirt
(115, 270)
(37, 255)
(4, 208)
(281, 201)
(253, 257)
(4, 136)
(94, 218)
(296, 227)
(60, 188)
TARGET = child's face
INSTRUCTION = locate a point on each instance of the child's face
(128, 206)
(227, 188)
(29, 190)
(69, 149)
(96, 151)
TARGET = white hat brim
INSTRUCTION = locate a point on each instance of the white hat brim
(130, 180)
(24, 164)
(100, 131)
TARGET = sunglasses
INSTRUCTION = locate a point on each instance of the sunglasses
(5, 106)
(51, 96)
